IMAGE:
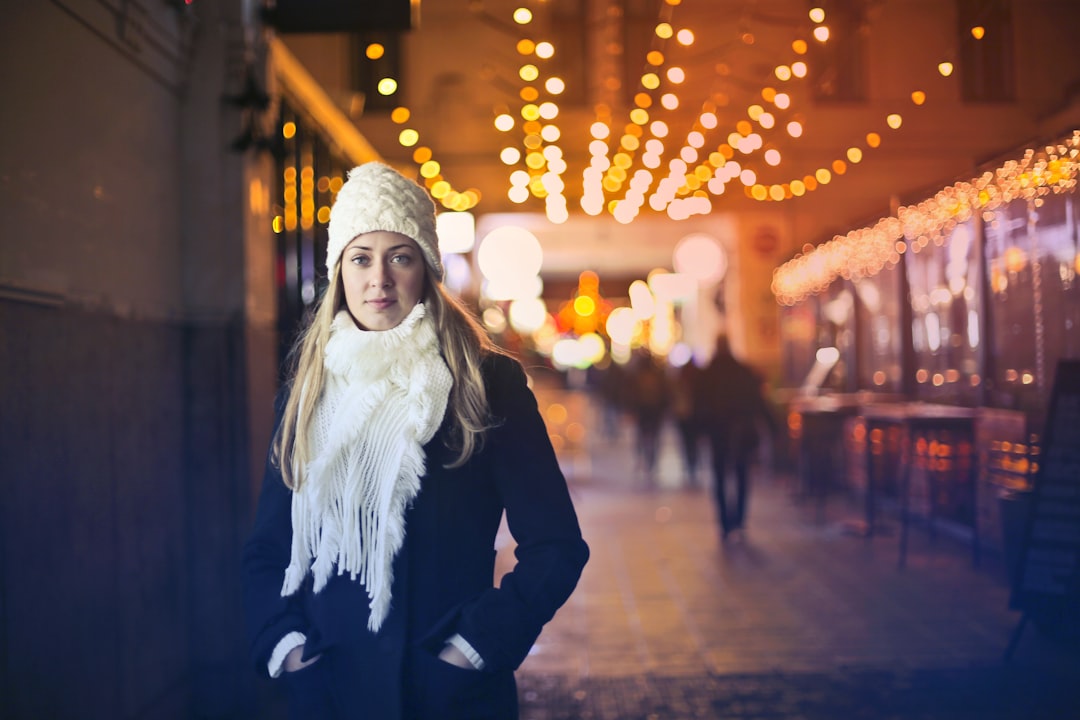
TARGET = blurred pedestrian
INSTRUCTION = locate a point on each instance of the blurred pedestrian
(687, 418)
(612, 391)
(732, 406)
(402, 437)
(648, 398)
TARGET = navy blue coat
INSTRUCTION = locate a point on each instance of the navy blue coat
(443, 578)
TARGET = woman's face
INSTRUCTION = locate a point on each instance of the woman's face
(383, 276)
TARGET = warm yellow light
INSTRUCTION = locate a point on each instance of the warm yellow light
(823, 176)
(676, 75)
(655, 58)
(1015, 259)
(839, 167)
(854, 155)
(387, 86)
(408, 137)
(650, 81)
(894, 121)
(799, 46)
(525, 46)
(584, 306)
(873, 139)
(945, 68)
(374, 51)
(630, 142)
(639, 116)
(918, 97)
(504, 122)
(528, 73)
(530, 112)
(429, 169)
(978, 32)
(288, 130)
(664, 31)
(817, 15)
(523, 16)
(421, 155)
(783, 72)
(744, 128)
(555, 85)
(758, 192)
(622, 160)
(821, 33)
(776, 192)
(685, 37)
(535, 160)
(643, 100)
(544, 50)
(798, 188)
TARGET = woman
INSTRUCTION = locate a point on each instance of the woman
(402, 437)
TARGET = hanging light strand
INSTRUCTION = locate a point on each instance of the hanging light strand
(866, 251)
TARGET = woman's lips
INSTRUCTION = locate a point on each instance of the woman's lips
(381, 303)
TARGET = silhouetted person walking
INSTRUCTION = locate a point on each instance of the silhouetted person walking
(732, 403)
(648, 400)
(685, 410)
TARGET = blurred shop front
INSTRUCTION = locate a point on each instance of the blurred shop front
(919, 352)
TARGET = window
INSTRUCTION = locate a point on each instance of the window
(367, 72)
(838, 67)
(986, 63)
(569, 25)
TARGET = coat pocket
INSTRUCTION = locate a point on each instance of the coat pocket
(308, 692)
(444, 691)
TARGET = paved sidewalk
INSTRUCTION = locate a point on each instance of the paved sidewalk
(797, 619)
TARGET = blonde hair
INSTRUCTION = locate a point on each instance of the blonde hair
(464, 345)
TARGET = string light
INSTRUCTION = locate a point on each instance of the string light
(866, 251)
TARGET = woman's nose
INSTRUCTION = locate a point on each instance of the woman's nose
(380, 276)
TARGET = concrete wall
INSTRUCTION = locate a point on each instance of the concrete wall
(137, 359)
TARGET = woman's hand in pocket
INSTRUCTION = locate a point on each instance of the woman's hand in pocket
(294, 660)
(452, 655)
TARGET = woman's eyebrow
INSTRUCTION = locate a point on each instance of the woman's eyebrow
(392, 247)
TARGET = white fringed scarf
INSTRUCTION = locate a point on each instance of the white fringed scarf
(384, 396)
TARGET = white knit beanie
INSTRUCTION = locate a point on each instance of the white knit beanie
(377, 197)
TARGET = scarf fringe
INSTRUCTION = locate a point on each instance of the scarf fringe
(385, 396)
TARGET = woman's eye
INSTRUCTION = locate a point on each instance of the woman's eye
(360, 260)
(403, 259)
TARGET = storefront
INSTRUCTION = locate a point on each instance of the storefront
(944, 324)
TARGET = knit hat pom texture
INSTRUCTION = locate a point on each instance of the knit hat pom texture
(377, 197)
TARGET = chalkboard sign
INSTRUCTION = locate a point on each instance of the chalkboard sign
(1046, 585)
